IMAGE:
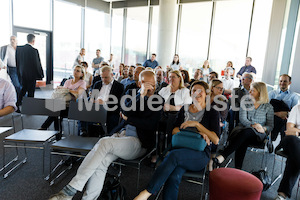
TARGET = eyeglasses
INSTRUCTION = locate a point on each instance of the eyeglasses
(220, 88)
(77, 70)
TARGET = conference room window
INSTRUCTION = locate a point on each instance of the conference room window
(230, 33)
(97, 35)
(194, 34)
(5, 22)
(26, 16)
(66, 38)
(259, 34)
(136, 35)
(154, 30)
(117, 35)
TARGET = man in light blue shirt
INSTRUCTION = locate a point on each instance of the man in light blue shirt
(129, 80)
(151, 62)
(289, 98)
(8, 98)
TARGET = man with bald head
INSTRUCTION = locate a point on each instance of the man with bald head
(130, 142)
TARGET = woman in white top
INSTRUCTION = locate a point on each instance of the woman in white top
(206, 70)
(88, 78)
(291, 147)
(175, 94)
(176, 65)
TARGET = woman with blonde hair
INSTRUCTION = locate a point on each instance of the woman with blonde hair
(206, 70)
(76, 87)
(175, 96)
(256, 122)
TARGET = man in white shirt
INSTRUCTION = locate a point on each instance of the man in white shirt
(8, 55)
(228, 83)
(107, 86)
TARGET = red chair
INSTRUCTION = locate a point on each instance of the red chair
(233, 184)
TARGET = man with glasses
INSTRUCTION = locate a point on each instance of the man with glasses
(235, 100)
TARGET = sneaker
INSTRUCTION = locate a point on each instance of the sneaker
(280, 198)
(60, 196)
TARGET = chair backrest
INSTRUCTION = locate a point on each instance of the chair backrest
(88, 115)
(35, 106)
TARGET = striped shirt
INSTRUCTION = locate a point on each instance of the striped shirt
(263, 115)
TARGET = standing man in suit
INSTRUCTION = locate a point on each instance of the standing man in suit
(29, 68)
(8, 55)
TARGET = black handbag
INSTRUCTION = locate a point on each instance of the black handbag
(263, 176)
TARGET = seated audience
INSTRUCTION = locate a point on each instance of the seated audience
(198, 76)
(108, 86)
(160, 83)
(228, 82)
(124, 75)
(288, 100)
(8, 98)
(151, 62)
(230, 65)
(291, 147)
(167, 74)
(237, 95)
(175, 96)
(136, 74)
(129, 80)
(247, 68)
(217, 99)
(178, 161)
(88, 76)
(256, 122)
(212, 75)
(120, 73)
(175, 64)
(76, 87)
(128, 144)
(186, 78)
(206, 70)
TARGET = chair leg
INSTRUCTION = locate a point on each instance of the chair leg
(138, 178)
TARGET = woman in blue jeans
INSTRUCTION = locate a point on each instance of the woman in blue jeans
(178, 161)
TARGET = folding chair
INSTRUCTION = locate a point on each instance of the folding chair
(37, 139)
(136, 163)
(76, 146)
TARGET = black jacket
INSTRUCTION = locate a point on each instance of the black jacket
(116, 90)
(28, 63)
(145, 121)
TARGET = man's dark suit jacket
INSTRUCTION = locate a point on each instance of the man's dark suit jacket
(162, 85)
(3, 50)
(116, 90)
(145, 121)
(28, 63)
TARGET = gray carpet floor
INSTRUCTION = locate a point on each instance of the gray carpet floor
(27, 182)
